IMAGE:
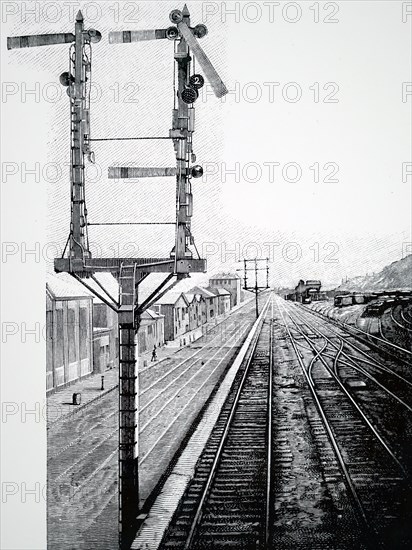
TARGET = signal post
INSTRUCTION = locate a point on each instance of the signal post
(130, 272)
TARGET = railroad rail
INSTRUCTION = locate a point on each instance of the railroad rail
(375, 477)
(406, 325)
(228, 501)
(407, 316)
(382, 345)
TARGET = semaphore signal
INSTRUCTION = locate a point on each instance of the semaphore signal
(130, 272)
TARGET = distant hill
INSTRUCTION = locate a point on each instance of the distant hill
(397, 275)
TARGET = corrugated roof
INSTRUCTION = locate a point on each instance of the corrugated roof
(63, 285)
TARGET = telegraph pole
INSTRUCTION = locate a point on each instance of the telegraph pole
(256, 288)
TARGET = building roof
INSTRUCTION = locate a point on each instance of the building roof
(189, 296)
(219, 291)
(203, 292)
(149, 314)
(224, 276)
(170, 298)
(63, 285)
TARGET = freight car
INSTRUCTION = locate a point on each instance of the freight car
(375, 309)
(343, 300)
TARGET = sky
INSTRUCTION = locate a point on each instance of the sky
(302, 160)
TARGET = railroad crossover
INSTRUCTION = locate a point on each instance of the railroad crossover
(316, 403)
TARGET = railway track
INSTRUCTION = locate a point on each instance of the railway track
(228, 502)
(406, 315)
(375, 477)
(359, 359)
(384, 346)
(405, 325)
(233, 499)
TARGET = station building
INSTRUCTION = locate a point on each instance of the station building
(81, 330)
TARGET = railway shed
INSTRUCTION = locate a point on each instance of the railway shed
(69, 330)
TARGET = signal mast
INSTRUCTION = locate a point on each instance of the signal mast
(77, 81)
(130, 272)
(183, 123)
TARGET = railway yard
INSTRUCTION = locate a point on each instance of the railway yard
(310, 447)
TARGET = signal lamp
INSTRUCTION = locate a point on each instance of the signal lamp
(172, 33)
(94, 36)
(196, 171)
(189, 95)
(66, 79)
(71, 92)
(200, 30)
(176, 16)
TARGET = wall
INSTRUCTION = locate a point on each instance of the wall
(150, 334)
(105, 318)
(69, 352)
(231, 285)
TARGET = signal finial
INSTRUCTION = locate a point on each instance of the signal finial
(79, 16)
(185, 11)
